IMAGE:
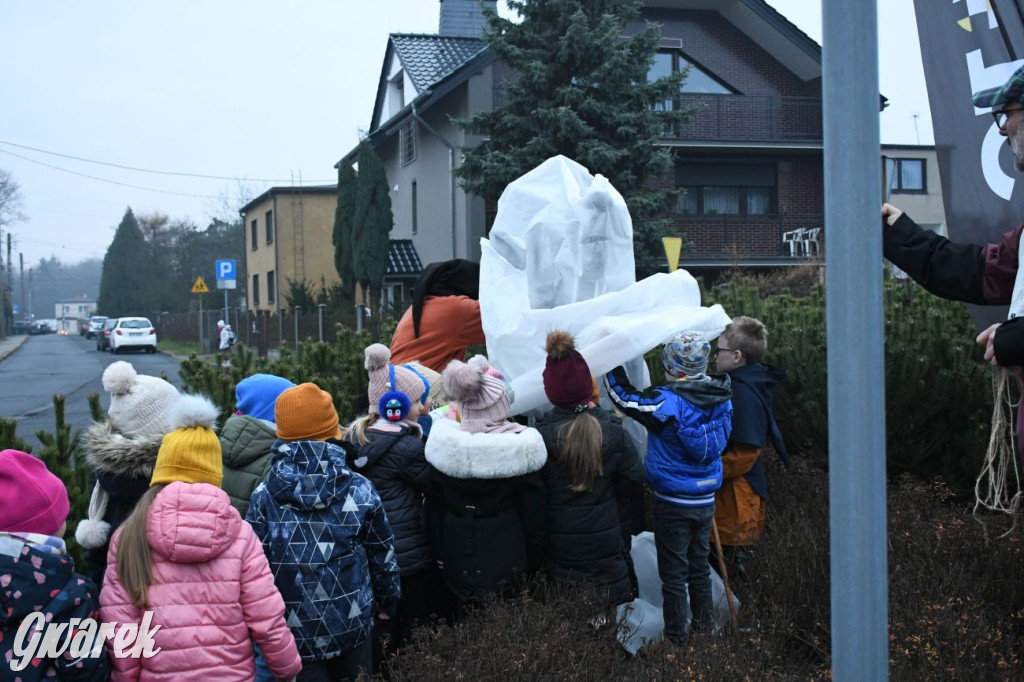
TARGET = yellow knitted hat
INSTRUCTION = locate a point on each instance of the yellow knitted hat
(191, 452)
(306, 413)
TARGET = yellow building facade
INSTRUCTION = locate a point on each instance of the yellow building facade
(288, 239)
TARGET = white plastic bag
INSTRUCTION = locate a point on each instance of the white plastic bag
(560, 256)
(567, 232)
(643, 620)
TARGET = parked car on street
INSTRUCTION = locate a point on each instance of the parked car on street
(40, 327)
(103, 335)
(95, 326)
(133, 333)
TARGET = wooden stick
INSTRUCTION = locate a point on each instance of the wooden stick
(725, 574)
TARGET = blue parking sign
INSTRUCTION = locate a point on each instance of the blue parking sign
(226, 275)
(226, 269)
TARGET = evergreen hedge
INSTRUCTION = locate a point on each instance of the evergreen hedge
(938, 390)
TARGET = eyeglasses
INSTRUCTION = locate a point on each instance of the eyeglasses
(1003, 116)
(720, 350)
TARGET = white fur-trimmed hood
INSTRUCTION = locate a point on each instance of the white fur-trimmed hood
(461, 454)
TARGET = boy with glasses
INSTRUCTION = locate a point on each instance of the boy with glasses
(740, 504)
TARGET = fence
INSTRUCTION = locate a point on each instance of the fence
(264, 332)
(750, 236)
(751, 117)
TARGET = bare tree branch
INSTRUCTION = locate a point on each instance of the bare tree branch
(10, 199)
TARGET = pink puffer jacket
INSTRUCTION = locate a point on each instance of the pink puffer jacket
(212, 588)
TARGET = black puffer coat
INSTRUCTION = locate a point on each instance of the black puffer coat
(586, 538)
(394, 463)
(123, 467)
(492, 496)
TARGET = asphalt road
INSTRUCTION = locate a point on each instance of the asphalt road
(70, 365)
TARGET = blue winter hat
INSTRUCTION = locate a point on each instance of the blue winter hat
(255, 395)
(686, 356)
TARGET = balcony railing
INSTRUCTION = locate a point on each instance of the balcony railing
(749, 118)
(738, 238)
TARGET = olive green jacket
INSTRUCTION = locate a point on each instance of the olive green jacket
(246, 443)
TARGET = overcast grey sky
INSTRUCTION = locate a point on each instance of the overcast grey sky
(261, 90)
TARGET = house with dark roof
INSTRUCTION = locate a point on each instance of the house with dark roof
(748, 162)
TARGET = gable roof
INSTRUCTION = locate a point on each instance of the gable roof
(436, 64)
(427, 59)
(764, 25)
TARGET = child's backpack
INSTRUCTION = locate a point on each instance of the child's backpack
(231, 337)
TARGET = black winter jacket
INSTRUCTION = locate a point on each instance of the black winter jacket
(492, 509)
(394, 463)
(586, 536)
(123, 467)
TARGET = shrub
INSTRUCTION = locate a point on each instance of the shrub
(9, 439)
(337, 369)
(61, 453)
(956, 606)
(937, 391)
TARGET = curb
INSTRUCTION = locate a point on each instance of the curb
(18, 343)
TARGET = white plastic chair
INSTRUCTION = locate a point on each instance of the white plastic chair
(793, 239)
(810, 241)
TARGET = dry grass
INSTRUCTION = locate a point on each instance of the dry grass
(956, 607)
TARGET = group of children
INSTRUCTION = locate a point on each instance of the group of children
(290, 547)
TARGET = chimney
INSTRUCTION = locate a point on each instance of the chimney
(464, 18)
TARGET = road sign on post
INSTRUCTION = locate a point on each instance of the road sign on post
(200, 287)
(226, 274)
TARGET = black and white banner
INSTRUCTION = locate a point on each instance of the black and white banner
(967, 46)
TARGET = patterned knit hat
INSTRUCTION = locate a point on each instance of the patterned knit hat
(483, 398)
(567, 379)
(1010, 92)
(406, 381)
(255, 395)
(32, 500)
(306, 412)
(191, 452)
(437, 395)
(686, 356)
(138, 403)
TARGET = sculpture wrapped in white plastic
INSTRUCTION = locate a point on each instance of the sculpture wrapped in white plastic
(560, 256)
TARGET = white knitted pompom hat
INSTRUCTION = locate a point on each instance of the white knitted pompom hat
(138, 403)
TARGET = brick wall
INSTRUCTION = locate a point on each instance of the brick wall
(722, 49)
(800, 204)
(776, 105)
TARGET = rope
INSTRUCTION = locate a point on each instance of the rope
(992, 490)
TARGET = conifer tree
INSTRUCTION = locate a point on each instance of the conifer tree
(343, 237)
(372, 224)
(579, 89)
(125, 283)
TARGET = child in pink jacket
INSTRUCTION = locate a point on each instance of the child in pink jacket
(187, 557)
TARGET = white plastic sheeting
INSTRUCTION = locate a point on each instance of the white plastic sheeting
(560, 256)
(642, 620)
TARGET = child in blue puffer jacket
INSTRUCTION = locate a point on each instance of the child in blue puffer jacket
(689, 421)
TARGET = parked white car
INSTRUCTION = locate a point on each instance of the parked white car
(95, 326)
(131, 333)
